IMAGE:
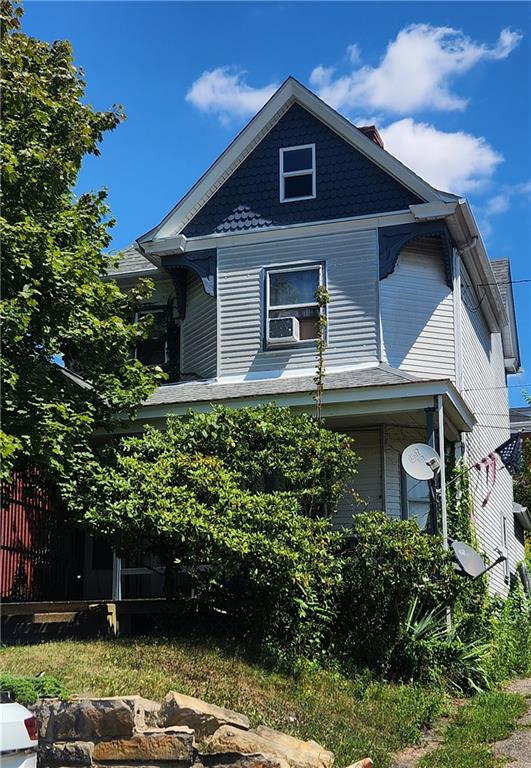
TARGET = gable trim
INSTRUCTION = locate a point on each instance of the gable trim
(180, 244)
(290, 92)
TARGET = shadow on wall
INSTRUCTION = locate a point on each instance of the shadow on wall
(417, 311)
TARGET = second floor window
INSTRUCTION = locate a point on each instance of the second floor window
(154, 349)
(291, 296)
(297, 173)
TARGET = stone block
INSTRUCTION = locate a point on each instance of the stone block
(170, 744)
(85, 719)
(204, 718)
(65, 753)
(235, 760)
(266, 741)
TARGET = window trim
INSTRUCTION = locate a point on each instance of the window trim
(316, 265)
(151, 310)
(290, 174)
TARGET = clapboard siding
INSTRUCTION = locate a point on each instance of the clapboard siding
(199, 332)
(417, 313)
(351, 269)
(485, 393)
(367, 482)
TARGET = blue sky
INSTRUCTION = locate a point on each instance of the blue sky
(447, 83)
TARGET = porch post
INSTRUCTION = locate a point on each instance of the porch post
(440, 421)
(116, 577)
(430, 440)
(443, 471)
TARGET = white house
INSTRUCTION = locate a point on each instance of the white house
(419, 324)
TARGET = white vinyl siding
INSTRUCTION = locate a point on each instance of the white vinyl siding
(351, 266)
(417, 313)
(199, 331)
(367, 482)
(486, 395)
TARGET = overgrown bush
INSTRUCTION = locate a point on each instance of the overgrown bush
(434, 653)
(26, 690)
(387, 564)
(236, 500)
(510, 636)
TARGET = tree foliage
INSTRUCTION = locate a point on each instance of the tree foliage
(236, 498)
(54, 302)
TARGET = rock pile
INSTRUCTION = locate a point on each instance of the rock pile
(182, 732)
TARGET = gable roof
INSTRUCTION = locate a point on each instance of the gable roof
(290, 92)
(511, 349)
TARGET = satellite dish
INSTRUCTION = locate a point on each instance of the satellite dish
(470, 562)
(420, 461)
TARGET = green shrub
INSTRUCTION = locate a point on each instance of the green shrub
(388, 563)
(236, 499)
(26, 690)
(431, 652)
(510, 636)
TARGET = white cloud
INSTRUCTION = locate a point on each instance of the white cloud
(497, 204)
(509, 195)
(353, 53)
(455, 162)
(414, 74)
(226, 94)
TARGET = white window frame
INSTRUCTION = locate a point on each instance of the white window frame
(289, 268)
(152, 311)
(288, 174)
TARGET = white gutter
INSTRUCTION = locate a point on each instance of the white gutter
(465, 233)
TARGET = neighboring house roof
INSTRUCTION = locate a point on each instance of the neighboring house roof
(381, 375)
(520, 419)
(502, 272)
(132, 262)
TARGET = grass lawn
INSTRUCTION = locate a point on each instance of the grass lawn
(485, 719)
(354, 718)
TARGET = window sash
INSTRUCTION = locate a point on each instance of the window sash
(291, 270)
(290, 174)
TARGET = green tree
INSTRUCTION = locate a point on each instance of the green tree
(238, 499)
(54, 302)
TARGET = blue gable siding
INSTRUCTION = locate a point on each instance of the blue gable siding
(348, 184)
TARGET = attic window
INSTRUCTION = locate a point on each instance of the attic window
(297, 173)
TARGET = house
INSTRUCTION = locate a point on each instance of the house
(421, 325)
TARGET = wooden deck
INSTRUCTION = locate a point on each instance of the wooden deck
(99, 616)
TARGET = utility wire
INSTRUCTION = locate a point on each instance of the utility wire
(506, 282)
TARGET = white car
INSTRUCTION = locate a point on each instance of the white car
(19, 736)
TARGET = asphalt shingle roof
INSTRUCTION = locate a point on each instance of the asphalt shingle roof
(201, 391)
(502, 273)
(133, 261)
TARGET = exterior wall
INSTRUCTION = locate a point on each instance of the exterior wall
(367, 482)
(417, 313)
(486, 394)
(347, 183)
(352, 280)
(199, 332)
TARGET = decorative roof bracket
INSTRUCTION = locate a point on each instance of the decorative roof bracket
(392, 239)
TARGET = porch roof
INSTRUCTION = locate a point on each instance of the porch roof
(378, 389)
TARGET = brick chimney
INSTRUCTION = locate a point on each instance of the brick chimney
(371, 131)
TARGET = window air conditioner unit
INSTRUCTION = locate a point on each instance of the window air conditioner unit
(282, 330)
